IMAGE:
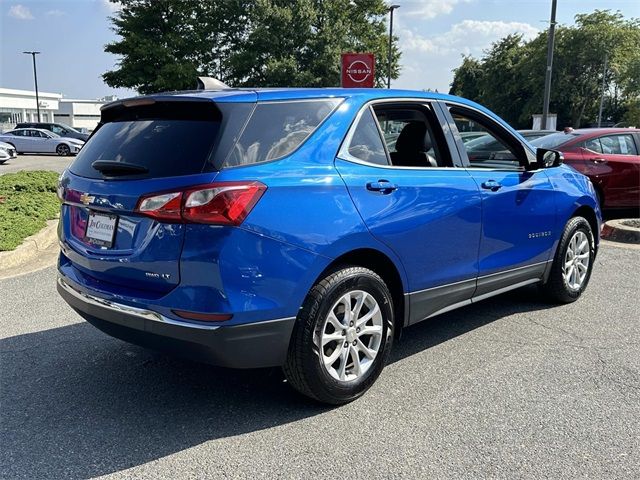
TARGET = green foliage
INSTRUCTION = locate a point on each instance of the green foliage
(166, 44)
(509, 79)
(27, 201)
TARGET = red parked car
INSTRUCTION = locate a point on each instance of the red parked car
(608, 156)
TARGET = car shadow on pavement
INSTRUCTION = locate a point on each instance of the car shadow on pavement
(441, 328)
(76, 403)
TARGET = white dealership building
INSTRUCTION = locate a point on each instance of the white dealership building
(20, 106)
(81, 113)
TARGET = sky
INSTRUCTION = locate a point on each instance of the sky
(434, 34)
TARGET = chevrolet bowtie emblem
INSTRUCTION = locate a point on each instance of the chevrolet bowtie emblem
(86, 198)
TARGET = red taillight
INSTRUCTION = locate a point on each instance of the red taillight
(165, 206)
(223, 203)
(226, 203)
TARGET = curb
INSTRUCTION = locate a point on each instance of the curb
(31, 247)
(616, 231)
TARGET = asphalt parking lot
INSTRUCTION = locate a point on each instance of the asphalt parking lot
(511, 387)
(36, 162)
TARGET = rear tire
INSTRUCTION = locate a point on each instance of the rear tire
(336, 353)
(572, 264)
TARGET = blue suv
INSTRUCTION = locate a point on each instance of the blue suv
(305, 228)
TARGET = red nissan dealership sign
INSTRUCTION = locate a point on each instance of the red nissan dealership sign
(358, 70)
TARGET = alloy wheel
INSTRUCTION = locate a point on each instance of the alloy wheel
(351, 336)
(63, 150)
(576, 261)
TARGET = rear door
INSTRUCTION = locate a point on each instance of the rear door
(18, 139)
(518, 209)
(169, 145)
(414, 197)
(614, 164)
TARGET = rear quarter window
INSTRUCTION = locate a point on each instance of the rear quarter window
(276, 129)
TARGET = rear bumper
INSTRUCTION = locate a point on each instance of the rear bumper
(253, 345)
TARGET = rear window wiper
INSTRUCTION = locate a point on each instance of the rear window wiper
(112, 167)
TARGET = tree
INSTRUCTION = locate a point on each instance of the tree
(468, 78)
(165, 44)
(511, 74)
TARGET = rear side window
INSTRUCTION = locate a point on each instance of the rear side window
(618, 145)
(276, 129)
(170, 139)
(366, 144)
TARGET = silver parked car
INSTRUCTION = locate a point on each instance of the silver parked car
(7, 152)
(35, 140)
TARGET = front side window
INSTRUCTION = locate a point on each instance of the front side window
(276, 129)
(593, 144)
(491, 150)
(58, 130)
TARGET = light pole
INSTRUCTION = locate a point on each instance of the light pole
(391, 9)
(604, 74)
(547, 77)
(35, 79)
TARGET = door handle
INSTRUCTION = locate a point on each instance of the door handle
(599, 160)
(383, 186)
(491, 185)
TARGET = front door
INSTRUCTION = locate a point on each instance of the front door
(518, 209)
(37, 141)
(400, 174)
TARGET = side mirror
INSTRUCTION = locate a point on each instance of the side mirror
(548, 158)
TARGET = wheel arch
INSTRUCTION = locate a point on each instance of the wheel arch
(381, 264)
(589, 214)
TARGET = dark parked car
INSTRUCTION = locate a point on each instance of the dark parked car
(608, 156)
(257, 228)
(57, 128)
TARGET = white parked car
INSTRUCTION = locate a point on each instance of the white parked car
(7, 152)
(35, 140)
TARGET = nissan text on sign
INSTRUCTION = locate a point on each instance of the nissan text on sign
(357, 70)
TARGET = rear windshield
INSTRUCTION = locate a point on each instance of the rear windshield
(276, 129)
(173, 139)
(554, 140)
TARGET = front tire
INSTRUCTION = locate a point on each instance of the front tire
(572, 264)
(342, 337)
(63, 150)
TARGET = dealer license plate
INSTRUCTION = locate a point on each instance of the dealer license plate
(101, 229)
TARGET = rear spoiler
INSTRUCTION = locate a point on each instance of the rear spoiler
(119, 108)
